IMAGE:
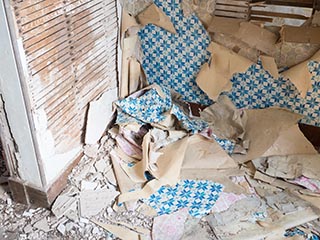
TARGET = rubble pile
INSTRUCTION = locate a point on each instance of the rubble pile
(204, 142)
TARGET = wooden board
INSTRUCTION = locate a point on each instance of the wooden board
(233, 8)
(280, 14)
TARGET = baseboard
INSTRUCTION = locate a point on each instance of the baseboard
(24, 193)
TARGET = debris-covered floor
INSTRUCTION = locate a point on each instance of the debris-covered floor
(205, 141)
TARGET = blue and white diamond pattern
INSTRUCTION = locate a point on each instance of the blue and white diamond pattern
(150, 108)
(124, 118)
(194, 125)
(174, 60)
(199, 196)
(226, 144)
(256, 88)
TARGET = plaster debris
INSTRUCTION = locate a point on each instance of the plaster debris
(205, 142)
(99, 115)
(42, 225)
(62, 229)
(170, 226)
(93, 201)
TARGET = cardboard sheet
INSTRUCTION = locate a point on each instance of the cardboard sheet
(257, 37)
(126, 23)
(231, 42)
(300, 34)
(128, 49)
(215, 78)
(156, 16)
(225, 25)
(124, 182)
(263, 129)
(300, 75)
(202, 153)
(291, 141)
(225, 120)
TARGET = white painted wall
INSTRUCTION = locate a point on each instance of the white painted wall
(10, 88)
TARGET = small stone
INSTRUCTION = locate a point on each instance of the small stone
(86, 185)
(42, 225)
(100, 165)
(84, 220)
(62, 229)
(9, 201)
(69, 226)
(110, 210)
(28, 228)
(91, 150)
(95, 231)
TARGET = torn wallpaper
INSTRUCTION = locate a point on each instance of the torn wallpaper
(198, 196)
(150, 106)
(256, 88)
(173, 60)
(297, 232)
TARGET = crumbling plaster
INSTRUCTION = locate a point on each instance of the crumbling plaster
(10, 88)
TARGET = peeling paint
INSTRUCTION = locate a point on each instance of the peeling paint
(53, 163)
